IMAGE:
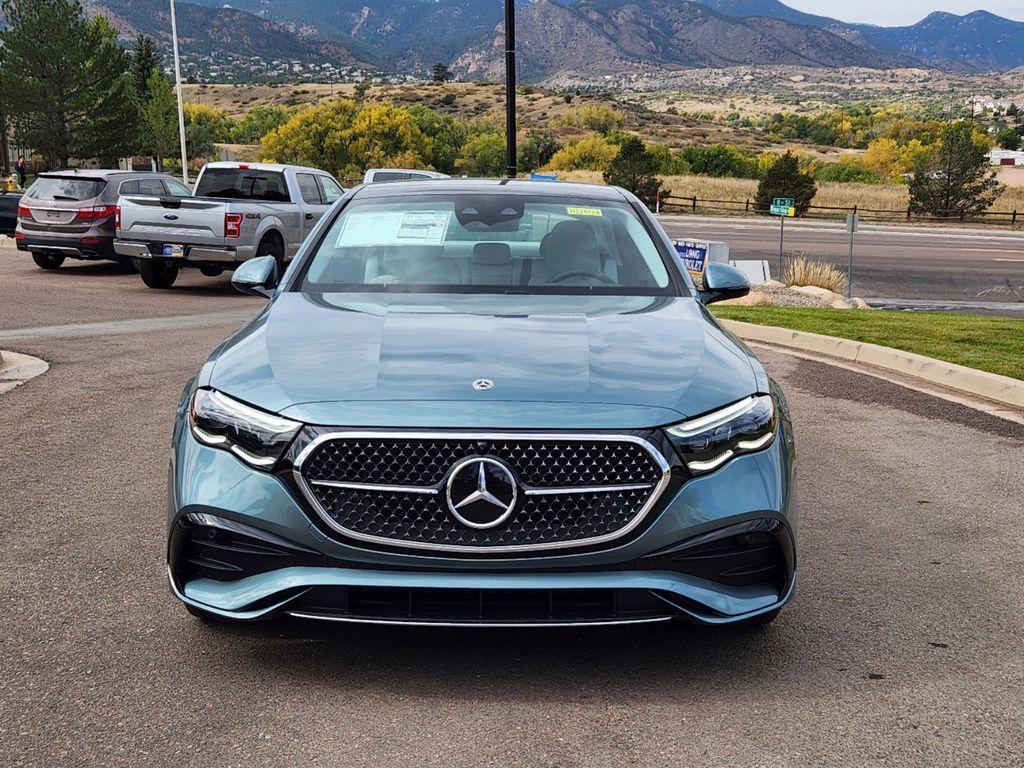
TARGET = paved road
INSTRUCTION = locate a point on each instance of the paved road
(902, 648)
(889, 263)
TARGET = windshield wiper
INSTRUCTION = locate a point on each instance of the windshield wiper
(65, 197)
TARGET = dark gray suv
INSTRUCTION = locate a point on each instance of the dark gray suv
(71, 214)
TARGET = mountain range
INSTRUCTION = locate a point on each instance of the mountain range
(557, 36)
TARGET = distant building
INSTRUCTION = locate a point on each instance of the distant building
(1006, 157)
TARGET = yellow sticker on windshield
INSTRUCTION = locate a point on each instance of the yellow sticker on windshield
(572, 211)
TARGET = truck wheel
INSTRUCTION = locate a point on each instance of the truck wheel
(45, 261)
(157, 274)
(271, 246)
(127, 265)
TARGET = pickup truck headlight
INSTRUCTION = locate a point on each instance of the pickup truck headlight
(257, 437)
(707, 442)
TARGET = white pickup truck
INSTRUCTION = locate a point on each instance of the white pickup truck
(239, 211)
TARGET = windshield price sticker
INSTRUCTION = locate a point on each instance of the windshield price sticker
(393, 228)
(694, 256)
(575, 211)
(424, 226)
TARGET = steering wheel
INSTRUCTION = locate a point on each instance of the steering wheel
(599, 276)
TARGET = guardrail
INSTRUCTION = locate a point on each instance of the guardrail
(677, 204)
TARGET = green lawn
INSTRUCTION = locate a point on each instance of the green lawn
(994, 344)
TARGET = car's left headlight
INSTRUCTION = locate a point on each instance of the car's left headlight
(257, 437)
(707, 442)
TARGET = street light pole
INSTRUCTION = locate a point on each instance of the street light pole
(181, 109)
(510, 88)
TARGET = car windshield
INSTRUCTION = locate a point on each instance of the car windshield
(65, 188)
(243, 184)
(488, 243)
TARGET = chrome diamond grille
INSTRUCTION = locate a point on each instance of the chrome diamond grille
(574, 490)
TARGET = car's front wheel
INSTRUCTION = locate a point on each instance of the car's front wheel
(46, 261)
(157, 274)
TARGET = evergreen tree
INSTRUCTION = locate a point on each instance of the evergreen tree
(785, 179)
(158, 123)
(955, 177)
(145, 59)
(537, 151)
(635, 168)
(66, 81)
(441, 73)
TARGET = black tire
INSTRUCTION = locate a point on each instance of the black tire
(157, 274)
(127, 265)
(271, 245)
(46, 261)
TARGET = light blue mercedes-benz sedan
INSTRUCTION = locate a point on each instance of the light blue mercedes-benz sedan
(484, 403)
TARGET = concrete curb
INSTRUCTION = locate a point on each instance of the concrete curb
(991, 386)
(16, 369)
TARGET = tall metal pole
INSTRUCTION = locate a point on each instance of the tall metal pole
(181, 108)
(510, 88)
(782, 240)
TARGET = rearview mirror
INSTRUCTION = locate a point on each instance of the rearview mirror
(257, 276)
(722, 282)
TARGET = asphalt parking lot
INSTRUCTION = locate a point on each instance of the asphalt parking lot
(902, 647)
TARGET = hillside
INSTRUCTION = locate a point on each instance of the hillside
(559, 37)
(540, 110)
(224, 31)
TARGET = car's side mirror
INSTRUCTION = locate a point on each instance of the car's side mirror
(722, 282)
(257, 276)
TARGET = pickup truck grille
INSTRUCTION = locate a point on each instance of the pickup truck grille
(546, 491)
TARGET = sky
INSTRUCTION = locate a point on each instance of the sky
(889, 13)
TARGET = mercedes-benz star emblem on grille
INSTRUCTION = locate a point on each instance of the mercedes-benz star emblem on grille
(482, 385)
(481, 492)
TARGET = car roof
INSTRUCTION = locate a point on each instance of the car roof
(494, 186)
(264, 166)
(95, 173)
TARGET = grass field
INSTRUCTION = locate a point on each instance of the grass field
(990, 344)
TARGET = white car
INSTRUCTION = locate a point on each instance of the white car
(375, 175)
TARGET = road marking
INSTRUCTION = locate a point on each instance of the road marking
(1012, 261)
(117, 327)
(992, 250)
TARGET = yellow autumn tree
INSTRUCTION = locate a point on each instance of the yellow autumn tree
(383, 135)
(593, 154)
(318, 136)
(883, 157)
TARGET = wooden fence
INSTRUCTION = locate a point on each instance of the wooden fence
(676, 204)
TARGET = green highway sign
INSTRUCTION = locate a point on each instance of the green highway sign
(783, 206)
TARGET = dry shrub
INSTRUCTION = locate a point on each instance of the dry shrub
(804, 271)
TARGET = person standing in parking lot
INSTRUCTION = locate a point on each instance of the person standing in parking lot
(20, 170)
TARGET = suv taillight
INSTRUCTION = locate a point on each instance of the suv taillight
(24, 212)
(232, 225)
(117, 217)
(96, 213)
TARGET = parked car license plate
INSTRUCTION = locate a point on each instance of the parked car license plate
(174, 251)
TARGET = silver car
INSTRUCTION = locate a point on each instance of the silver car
(71, 214)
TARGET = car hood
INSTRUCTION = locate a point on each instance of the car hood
(411, 360)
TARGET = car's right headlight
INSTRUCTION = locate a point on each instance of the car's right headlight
(707, 442)
(257, 437)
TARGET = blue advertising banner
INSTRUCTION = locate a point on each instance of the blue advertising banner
(694, 254)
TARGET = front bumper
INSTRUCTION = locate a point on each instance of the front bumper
(659, 575)
(193, 253)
